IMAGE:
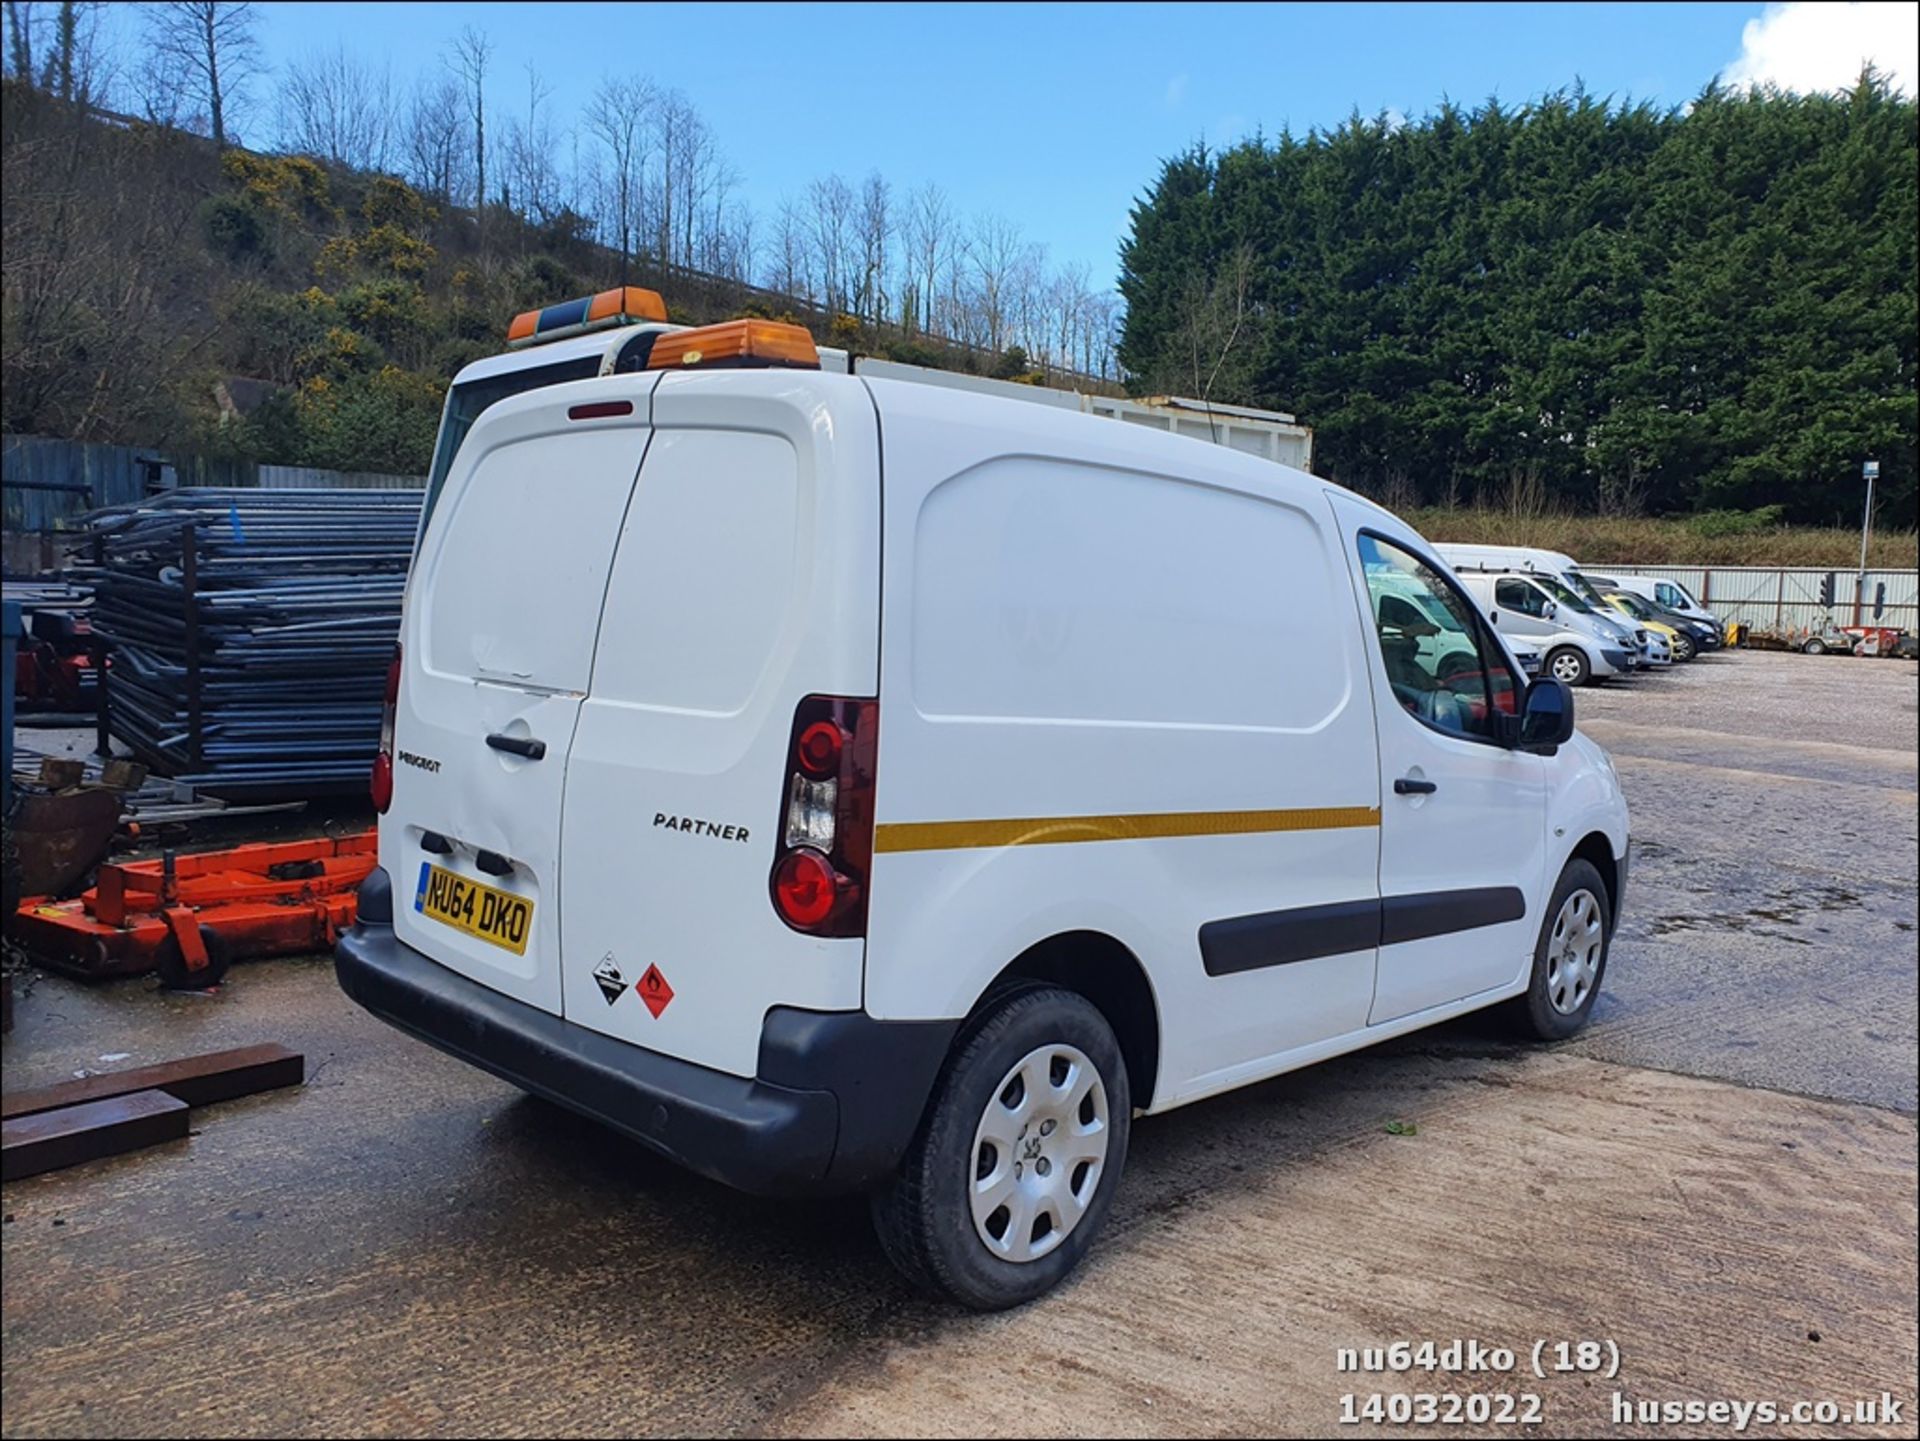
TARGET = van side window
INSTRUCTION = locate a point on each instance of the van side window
(1517, 595)
(1442, 665)
(1668, 595)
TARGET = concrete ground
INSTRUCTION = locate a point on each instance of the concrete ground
(1719, 1177)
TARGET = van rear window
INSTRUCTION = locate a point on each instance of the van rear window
(467, 402)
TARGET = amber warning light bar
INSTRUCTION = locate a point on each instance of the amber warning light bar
(624, 305)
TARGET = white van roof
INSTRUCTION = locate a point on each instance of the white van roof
(1503, 557)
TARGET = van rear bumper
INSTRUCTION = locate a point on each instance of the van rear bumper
(833, 1108)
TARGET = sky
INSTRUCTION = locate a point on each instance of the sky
(1057, 116)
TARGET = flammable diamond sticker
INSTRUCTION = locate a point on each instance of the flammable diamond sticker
(654, 991)
(607, 976)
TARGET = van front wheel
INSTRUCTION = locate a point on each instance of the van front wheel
(1015, 1167)
(1570, 958)
(1569, 664)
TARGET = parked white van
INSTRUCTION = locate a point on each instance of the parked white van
(850, 785)
(1569, 591)
(1578, 648)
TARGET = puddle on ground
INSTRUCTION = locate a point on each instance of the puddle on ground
(1787, 909)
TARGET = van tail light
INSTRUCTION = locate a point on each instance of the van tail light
(381, 782)
(825, 851)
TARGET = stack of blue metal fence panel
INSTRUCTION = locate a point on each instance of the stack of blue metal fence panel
(250, 630)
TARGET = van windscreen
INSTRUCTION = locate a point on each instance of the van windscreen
(465, 404)
(1563, 593)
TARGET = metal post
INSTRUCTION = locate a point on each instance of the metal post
(9, 636)
(97, 653)
(190, 584)
(1870, 472)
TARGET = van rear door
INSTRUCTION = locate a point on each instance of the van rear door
(747, 577)
(502, 614)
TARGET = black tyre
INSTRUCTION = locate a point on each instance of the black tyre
(172, 967)
(1815, 646)
(1684, 649)
(1570, 958)
(1568, 663)
(1016, 1163)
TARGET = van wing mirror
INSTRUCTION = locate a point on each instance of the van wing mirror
(1546, 716)
(1549, 611)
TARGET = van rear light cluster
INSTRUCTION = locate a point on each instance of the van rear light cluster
(381, 782)
(820, 870)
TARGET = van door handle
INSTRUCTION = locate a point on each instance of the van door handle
(526, 746)
(1408, 786)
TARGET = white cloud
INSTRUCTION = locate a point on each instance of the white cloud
(1395, 117)
(1816, 46)
(1176, 90)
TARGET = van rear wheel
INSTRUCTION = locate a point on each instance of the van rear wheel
(1015, 1166)
(1569, 664)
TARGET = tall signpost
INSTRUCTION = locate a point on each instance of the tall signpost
(1870, 471)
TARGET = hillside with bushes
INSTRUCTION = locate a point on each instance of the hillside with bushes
(162, 290)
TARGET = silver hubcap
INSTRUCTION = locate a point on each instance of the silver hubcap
(1566, 667)
(1038, 1153)
(1573, 952)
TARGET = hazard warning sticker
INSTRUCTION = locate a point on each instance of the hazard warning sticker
(607, 976)
(654, 990)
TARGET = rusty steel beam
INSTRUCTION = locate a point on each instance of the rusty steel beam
(73, 1134)
(192, 1080)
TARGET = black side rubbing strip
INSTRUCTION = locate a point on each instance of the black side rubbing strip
(1441, 913)
(1279, 938)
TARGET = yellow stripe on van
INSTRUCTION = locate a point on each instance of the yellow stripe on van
(1062, 830)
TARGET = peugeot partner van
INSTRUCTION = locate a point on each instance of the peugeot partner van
(849, 785)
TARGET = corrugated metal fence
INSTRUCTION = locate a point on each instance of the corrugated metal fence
(1789, 597)
(49, 483)
(301, 477)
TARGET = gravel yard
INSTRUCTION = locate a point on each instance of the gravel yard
(1718, 1177)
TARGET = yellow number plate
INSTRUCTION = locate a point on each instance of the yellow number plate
(498, 917)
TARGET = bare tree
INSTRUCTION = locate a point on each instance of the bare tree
(336, 108)
(530, 170)
(433, 151)
(20, 28)
(682, 187)
(1066, 305)
(831, 242)
(999, 257)
(874, 236)
(617, 118)
(789, 272)
(472, 53)
(929, 244)
(213, 46)
(1209, 320)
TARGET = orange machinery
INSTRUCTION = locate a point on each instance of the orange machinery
(190, 916)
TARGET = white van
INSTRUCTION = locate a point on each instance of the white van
(1533, 608)
(851, 785)
(1569, 591)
